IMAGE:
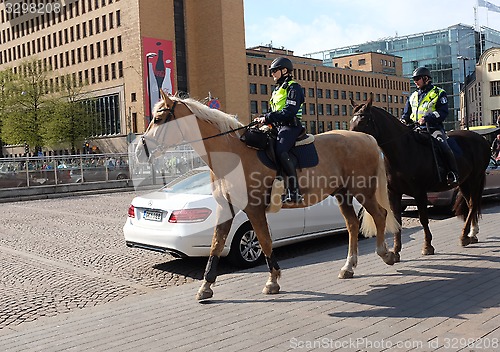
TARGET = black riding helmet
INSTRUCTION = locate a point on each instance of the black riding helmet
(281, 62)
(421, 71)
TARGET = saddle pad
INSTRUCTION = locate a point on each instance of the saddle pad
(306, 156)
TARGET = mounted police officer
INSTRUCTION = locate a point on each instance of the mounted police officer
(428, 107)
(286, 112)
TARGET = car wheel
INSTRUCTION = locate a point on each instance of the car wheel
(245, 249)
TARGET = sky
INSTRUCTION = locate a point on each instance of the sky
(307, 26)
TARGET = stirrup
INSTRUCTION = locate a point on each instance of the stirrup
(292, 197)
(452, 179)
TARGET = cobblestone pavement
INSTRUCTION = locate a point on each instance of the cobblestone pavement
(66, 254)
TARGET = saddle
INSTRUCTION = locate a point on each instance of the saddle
(263, 139)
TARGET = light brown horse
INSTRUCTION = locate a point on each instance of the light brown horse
(350, 164)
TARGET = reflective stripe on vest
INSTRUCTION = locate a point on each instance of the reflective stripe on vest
(278, 98)
(427, 104)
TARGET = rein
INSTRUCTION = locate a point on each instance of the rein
(171, 116)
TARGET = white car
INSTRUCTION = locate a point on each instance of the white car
(179, 219)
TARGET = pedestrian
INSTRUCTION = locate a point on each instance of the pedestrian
(427, 107)
(495, 147)
(286, 115)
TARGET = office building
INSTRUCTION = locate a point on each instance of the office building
(124, 51)
(443, 51)
(328, 90)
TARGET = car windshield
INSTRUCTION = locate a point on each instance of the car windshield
(198, 183)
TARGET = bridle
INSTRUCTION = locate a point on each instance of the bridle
(171, 116)
(362, 114)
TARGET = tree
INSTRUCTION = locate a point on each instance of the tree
(70, 122)
(25, 105)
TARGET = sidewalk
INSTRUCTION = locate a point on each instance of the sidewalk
(441, 302)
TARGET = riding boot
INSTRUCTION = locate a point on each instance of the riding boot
(293, 193)
(452, 175)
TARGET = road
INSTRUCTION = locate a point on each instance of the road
(65, 254)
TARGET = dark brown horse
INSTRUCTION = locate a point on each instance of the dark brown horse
(412, 171)
(350, 164)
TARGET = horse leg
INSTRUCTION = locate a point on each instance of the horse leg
(379, 214)
(218, 241)
(423, 215)
(352, 223)
(471, 228)
(397, 208)
(259, 223)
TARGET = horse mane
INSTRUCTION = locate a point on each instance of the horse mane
(223, 121)
(388, 115)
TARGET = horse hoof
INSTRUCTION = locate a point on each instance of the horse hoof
(465, 241)
(390, 258)
(344, 274)
(428, 250)
(204, 294)
(473, 240)
(397, 258)
(271, 289)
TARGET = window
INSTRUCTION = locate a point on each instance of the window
(253, 88)
(311, 92)
(253, 107)
(336, 110)
(263, 107)
(328, 109)
(312, 109)
(320, 93)
(263, 89)
(361, 62)
(328, 94)
(343, 94)
(313, 127)
(107, 111)
(320, 109)
(495, 88)
(344, 110)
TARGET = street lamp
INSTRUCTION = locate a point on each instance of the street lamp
(464, 115)
(149, 56)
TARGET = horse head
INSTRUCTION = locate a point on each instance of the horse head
(376, 121)
(164, 130)
(362, 120)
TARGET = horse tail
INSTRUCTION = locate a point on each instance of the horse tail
(461, 206)
(368, 227)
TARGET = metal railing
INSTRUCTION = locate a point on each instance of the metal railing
(84, 168)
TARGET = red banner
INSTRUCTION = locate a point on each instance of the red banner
(158, 71)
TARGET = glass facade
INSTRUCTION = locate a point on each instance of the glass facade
(439, 51)
(107, 112)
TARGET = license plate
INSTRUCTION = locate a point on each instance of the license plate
(152, 215)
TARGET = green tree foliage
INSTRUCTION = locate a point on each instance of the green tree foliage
(30, 113)
(25, 105)
(70, 121)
